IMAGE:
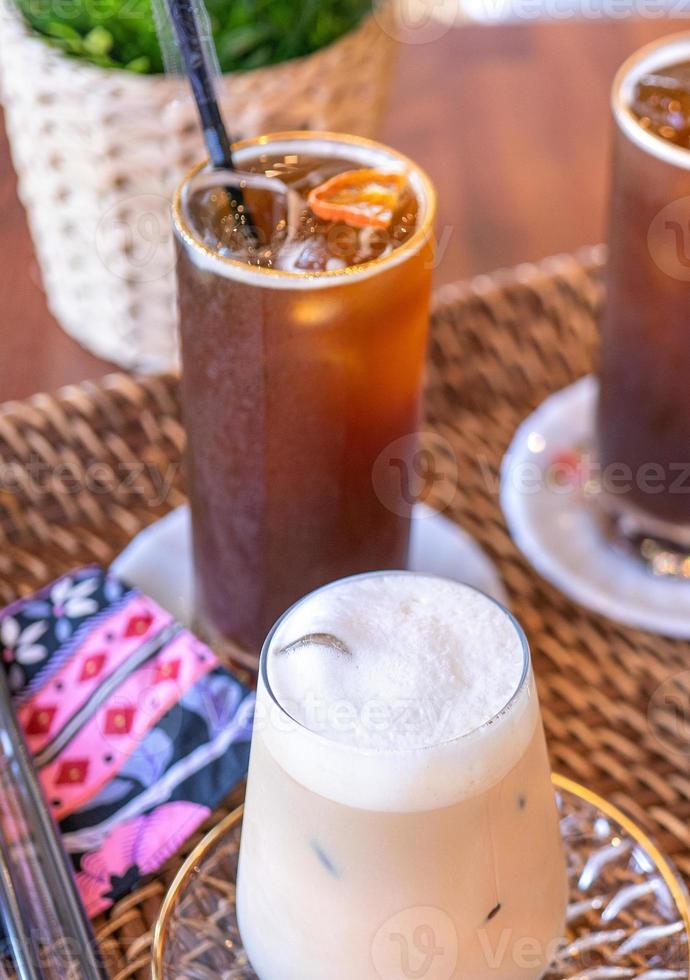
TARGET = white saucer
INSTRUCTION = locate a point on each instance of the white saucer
(159, 559)
(556, 530)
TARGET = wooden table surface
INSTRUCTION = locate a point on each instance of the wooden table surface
(511, 122)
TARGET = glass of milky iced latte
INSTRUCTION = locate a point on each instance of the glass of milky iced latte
(400, 819)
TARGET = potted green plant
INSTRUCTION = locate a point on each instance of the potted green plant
(100, 136)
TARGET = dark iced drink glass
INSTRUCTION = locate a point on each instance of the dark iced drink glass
(303, 350)
(644, 408)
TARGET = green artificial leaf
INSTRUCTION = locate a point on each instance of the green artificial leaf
(248, 33)
(98, 41)
(241, 41)
(142, 65)
(62, 31)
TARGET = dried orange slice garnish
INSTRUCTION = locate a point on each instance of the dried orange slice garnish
(362, 198)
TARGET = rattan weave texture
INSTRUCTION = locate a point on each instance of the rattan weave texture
(83, 472)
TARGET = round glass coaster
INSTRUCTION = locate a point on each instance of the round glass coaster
(628, 916)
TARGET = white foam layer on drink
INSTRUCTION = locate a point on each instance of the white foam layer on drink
(429, 705)
(437, 658)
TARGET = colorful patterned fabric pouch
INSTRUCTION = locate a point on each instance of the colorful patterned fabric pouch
(136, 730)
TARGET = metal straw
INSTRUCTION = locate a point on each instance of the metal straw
(46, 925)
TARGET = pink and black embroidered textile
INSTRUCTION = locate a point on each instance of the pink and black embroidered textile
(137, 732)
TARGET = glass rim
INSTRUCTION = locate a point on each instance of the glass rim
(344, 746)
(664, 52)
(283, 277)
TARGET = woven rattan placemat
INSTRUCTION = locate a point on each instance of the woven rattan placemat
(81, 473)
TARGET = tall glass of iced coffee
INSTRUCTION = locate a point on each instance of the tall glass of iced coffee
(400, 819)
(644, 409)
(303, 317)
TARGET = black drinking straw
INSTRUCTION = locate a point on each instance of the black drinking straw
(200, 75)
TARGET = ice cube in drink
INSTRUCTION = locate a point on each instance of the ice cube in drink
(661, 103)
(303, 348)
(304, 212)
(399, 803)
